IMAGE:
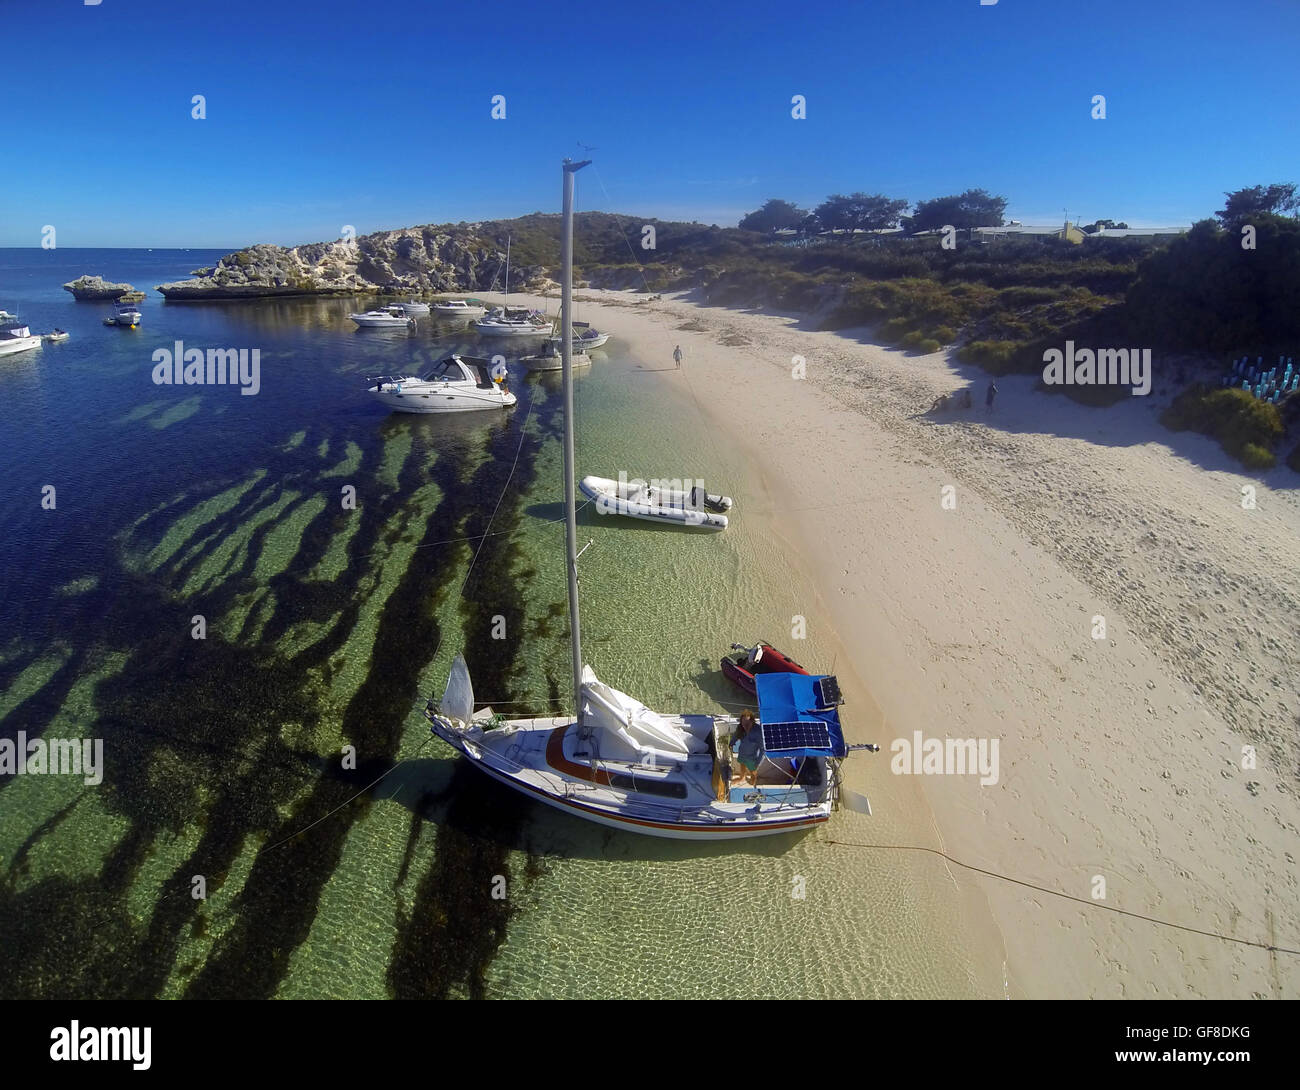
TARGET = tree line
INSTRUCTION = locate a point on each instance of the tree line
(877, 212)
(974, 208)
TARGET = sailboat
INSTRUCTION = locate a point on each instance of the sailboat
(618, 763)
(502, 322)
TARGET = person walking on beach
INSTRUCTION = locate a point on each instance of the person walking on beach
(677, 355)
(988, 397)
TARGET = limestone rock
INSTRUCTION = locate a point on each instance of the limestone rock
(87, 289)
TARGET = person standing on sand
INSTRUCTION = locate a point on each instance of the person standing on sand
(677, 355)
(988, 397)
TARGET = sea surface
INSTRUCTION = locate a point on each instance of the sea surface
(233, 848)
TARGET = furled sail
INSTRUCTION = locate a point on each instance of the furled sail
(458, 699)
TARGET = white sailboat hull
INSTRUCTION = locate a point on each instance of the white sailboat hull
(512, 329)
(698, 820)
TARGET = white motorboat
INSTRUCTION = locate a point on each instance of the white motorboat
(656, 501)
(15, 337)
(584, 338)
(616, 762)
(413, 308)
(551, 358)
(382, 319)
(125, 314)
(459, 308)
(55, 337)
(455, 384)
(587, 337)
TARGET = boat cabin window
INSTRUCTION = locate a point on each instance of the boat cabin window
(448, 370)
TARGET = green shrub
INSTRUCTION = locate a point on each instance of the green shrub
(945, 335)
(1246, 427)
(895, 330)
(928, 345)
(996, 357)
(1254, 456)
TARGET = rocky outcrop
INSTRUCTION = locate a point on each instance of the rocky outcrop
(90, 289)
(418, 260)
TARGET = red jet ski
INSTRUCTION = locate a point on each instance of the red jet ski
(745, 662)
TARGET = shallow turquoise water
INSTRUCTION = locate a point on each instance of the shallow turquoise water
(326, 628)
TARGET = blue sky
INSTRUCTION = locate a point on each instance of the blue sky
(329, 113)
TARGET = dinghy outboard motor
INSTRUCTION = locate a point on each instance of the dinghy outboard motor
(702, 500)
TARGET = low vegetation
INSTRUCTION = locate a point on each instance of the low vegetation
(1246, 427)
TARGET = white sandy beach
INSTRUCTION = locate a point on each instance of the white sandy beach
(1120, 758)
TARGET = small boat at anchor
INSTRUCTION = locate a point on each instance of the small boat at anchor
(744, 664)
(552, 359)
(459, 308)
(55, 336)
(693, 507)
(532, 323)
(382, 319)
(15, 337)
(455, 384)
(413, 308)
(126, 315)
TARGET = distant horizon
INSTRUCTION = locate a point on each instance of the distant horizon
(305, 130)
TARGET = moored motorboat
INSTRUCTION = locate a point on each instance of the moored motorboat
(453, 385)
(15, 337)
(382, 319)
(743, 665)
(552, 359)
(126, 315)
(55, 336)
(658, 501)
(413, 308)
(459, 308)
(587, 337)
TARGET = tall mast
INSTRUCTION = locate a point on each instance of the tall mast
(570, 499)
(505, 303)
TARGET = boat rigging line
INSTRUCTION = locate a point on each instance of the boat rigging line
(1066, 896)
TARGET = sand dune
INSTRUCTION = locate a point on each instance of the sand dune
(1121, 758)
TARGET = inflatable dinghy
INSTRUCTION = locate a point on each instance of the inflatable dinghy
(695, 508)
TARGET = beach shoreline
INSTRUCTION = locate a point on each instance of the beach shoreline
(1121, 786)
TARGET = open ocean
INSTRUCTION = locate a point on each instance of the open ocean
(328, 627)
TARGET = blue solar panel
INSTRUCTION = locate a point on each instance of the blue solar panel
(827, 691)
(787, 737)
(787, 702)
